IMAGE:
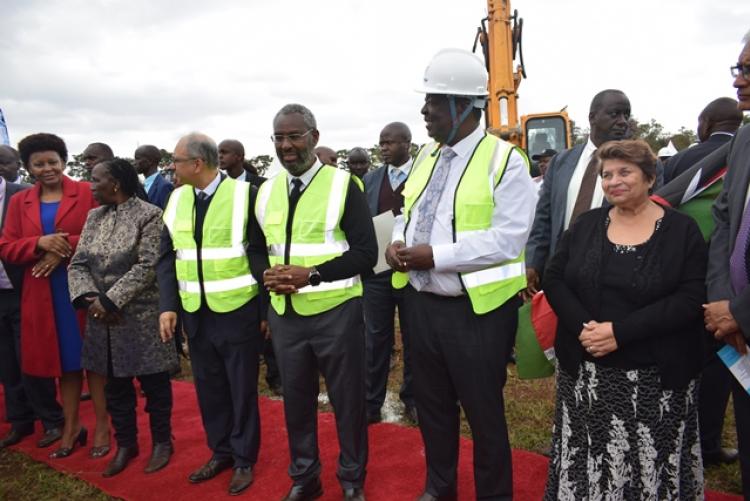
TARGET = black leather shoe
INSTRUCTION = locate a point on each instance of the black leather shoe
(160, 455)
(120, 461)
(210, 470)
(64, 452)
(721, 456)
(85, 396)
(14, 436)
(307, 492)
(241, 480)
(355, 494)
(50, 437)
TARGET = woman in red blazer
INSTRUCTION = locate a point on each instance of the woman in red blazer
(41, 231)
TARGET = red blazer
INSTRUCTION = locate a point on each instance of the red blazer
(40, 355)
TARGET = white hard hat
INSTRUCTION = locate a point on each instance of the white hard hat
(668, 151)
(455, 72)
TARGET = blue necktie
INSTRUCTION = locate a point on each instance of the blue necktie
(396, 176)
(428, 208)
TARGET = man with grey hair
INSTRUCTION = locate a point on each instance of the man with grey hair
(212, 257)
(321, 243)
(727, 314)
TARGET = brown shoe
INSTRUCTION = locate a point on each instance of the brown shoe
(159, 457)
(210, 470)
(241, 480)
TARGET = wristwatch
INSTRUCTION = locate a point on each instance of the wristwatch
(314, 277)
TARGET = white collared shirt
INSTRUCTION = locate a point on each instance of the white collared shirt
(305, 178)
(242, 177)
(515, 202)
(575, 184)
(212, 186)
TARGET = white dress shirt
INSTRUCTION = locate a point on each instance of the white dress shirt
(305, 178)
(242, 177)
(515, 202)
(575, 184)
(212, 186)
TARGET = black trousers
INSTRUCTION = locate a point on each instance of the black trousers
(273, 378)
(334, 344)
(122, 401)
(27, 398)
(716, 385)
(224, 351)
(380, 301)
(741, 401)
(459, 359)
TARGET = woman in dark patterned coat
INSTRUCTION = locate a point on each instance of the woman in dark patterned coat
(112, 275)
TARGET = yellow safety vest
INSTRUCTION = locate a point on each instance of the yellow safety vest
(316, 236)
(227, 281)
(490, 287)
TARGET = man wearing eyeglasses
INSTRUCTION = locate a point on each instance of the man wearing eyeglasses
(321, 242)
(211, 260)
(727, 314)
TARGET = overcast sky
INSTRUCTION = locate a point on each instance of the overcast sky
(130, 72)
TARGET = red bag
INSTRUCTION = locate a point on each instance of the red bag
(544, 320)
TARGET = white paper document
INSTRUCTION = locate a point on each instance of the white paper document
(383, 229)
(739, 365)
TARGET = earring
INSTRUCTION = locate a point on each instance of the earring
(115, 190)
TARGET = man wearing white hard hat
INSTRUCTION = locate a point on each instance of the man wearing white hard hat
(457, 251)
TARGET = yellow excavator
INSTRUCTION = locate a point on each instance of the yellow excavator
(499, 38)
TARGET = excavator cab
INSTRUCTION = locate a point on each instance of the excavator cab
(542, 131)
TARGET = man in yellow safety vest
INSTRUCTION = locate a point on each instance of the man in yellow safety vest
(320, 241)
(212, 257)
(457, 250)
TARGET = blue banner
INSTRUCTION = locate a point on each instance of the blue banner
(4, 139)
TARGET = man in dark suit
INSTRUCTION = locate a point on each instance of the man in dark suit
(727, 314)
(206, 258)
(147, 158)
(232, 161)
(717, 123)
(571, 183)
(383, 188)
(27, 398)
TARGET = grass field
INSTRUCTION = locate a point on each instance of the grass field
(529, 411)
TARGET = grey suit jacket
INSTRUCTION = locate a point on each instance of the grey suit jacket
(373, 182)
(727, 211)
(549, 220)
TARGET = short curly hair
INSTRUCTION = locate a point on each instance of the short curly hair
(635, 151)
(42, 141)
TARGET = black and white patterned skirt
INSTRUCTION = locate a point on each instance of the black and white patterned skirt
(619, 436)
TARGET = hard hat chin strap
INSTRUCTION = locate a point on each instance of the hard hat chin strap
(455, 119)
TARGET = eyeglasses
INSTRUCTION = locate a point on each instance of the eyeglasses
(177, 160)
(293, 138)
(740, 68)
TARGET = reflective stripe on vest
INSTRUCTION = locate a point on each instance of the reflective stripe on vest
(473, 199)
(227, 281)
(316, 236)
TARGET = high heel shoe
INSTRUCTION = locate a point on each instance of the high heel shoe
(99, 451)
(64, 452)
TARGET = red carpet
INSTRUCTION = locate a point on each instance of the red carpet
(395, 472)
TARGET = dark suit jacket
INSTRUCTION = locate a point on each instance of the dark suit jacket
(689, 156)
(15, 273)
(159, 192)
(727, 211)
(667, 288)
(373, 182)
(550, 209)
